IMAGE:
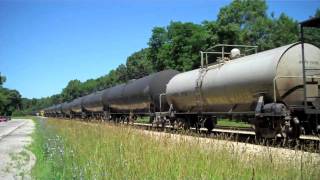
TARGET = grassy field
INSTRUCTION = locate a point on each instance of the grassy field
(76, 150)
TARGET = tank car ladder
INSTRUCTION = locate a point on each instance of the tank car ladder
(313, 23)
(199, 100)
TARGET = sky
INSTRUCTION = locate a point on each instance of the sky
(46, 43)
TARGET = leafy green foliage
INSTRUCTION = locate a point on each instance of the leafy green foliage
(158, 38)
(72, 90)
(10, 100)
(138, 65)
(2, 79)
(284, 31)
(312, 35)
(185, 40)
(245, 20)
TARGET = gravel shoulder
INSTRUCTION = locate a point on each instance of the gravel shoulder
(16, 161)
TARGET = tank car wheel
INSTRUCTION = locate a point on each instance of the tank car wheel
(163, 124)
(178, 123)
(115, 119)
(186, 124)
(127, 119)
(265, 133)
(291, 129)
(172, 123)
(209, 124)
(134, 119)
(123, 119)
(263, 130)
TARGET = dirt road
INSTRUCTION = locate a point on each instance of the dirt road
(15, 160)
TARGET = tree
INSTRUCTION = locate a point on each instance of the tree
(3, 101)
(243, 22)
(72, 91)
(88, 86)
(284, 31)
(10, 100)
(138, 65)
(317, 14)
(246, 22)
(2, 79)
(181, 50)
(15, 100)
(312, 35)
(56, 99)
(158, 38)
(121, 73)
(212, 29)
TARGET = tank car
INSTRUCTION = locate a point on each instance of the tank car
(112, 98)
(66, 109)
(267, 86)
(92, 105)
(57, 110)
(138, 97)
(47, 111)
(76, 107)
(50, 111)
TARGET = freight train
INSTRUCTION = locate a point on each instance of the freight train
(277, 91)
(270, 89)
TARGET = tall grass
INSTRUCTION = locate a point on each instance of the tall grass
(78, 150)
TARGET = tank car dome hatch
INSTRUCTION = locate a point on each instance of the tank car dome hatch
(235, 53)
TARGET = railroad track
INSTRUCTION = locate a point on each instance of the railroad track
(231, 130)
(241, 134)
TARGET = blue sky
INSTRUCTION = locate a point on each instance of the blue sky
(46, 43)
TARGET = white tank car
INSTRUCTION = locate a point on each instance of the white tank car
(235, 85)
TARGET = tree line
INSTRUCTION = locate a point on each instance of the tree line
(177, 46)
(10, 100)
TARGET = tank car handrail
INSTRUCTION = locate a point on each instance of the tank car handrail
(232, 45)
(279, 77)
(223, 53)
(160, 101)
